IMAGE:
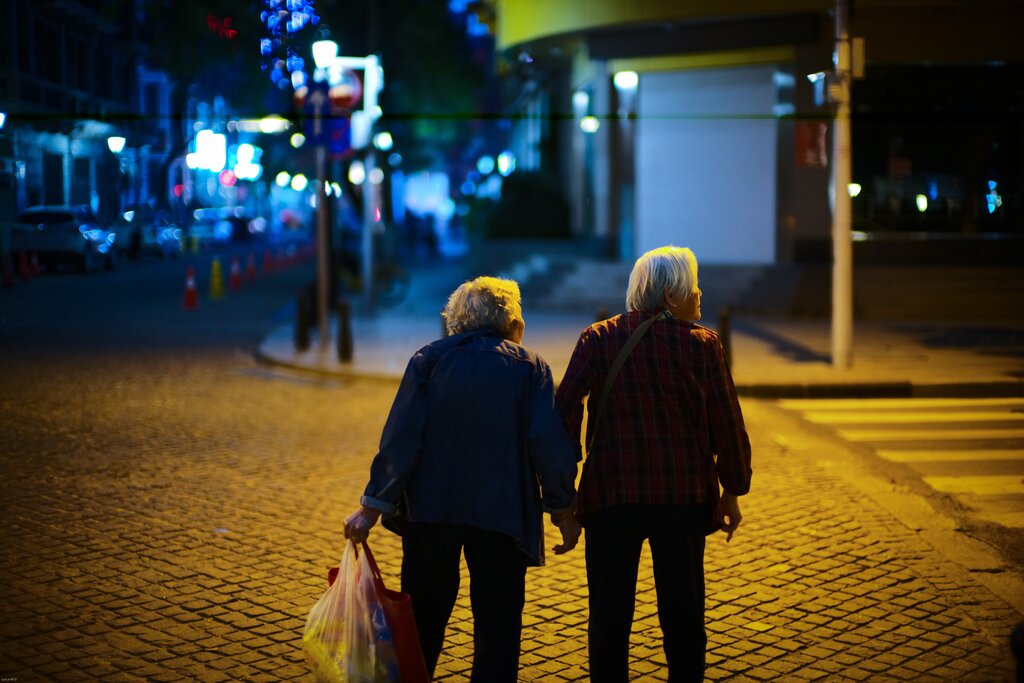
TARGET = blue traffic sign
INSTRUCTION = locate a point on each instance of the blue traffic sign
(324, 124)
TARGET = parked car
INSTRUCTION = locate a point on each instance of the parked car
(208, 231)
(149, 234)
(59, 235)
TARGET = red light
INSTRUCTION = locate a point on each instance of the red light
(227, 177)
(221, 26)
(179, 190)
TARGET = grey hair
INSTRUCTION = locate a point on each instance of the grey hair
(670, 267)
(485, 302)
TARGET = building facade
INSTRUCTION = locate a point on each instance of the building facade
(71, 77)
(709, 124)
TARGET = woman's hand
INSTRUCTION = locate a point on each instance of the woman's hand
(359, 523)
(571, 530)
(729, 514)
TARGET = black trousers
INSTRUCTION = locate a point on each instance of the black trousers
(614, 538)
(497, 571)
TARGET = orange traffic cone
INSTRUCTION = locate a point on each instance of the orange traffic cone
(24, 269)
(8, 267)
(250, 268)
(235, 278)
(191, 301)
(268, 262)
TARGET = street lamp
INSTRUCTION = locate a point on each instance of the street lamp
(116, 143)
(324, 53)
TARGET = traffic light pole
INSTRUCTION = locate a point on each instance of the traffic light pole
(322, 250)
(369, 224)
(842, 240)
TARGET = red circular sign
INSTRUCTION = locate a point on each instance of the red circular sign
(346, 92)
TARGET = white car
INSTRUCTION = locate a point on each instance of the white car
(57, 235)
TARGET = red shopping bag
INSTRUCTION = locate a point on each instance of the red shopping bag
(397, 607)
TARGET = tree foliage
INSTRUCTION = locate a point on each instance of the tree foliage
(434, 78)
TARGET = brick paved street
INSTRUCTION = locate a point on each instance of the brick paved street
(170, 509)
(172, 517)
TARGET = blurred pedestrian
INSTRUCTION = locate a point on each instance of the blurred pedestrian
(669, 432)
(472, 454)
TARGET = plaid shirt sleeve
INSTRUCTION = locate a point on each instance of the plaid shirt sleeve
(574, 387)
(729, 440)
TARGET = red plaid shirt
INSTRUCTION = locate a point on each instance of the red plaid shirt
(672, 426)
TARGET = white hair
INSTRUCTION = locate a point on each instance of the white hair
(670, 267)
(485, 302)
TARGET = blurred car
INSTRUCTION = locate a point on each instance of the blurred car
(208, 231)
(61, 235)
(151, 234)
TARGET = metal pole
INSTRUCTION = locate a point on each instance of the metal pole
(369, 224)
(842, 244)
(322, 247)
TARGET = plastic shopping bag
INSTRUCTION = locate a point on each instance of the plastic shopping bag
(397, 608)
(347, 638)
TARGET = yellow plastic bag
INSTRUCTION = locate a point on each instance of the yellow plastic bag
(347, 638)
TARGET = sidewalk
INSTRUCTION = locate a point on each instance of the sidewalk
(770, 357)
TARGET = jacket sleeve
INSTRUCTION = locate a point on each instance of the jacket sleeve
(574, 388)
(401, 440)
(550, 452)
(729, 440)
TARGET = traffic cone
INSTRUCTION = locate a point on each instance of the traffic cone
(268, 262)
(8, 267)
(33, 263)
(250, 268)
(235, 280)
(216, 280)
(191, 300)
(24, 270)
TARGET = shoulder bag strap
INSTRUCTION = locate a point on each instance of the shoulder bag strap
(620, 360)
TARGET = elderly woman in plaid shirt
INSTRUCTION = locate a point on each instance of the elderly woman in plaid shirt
(670, 434)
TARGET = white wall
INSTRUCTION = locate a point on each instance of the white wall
(706, 163)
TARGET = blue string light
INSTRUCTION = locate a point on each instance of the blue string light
(283, 20)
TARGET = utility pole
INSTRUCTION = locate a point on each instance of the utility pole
(323, 255)
(842, 240)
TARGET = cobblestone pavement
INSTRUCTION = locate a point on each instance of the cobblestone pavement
(172, 517)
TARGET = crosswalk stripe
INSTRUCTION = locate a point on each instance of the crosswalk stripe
(929, 435)
(836, 418)
(897, 403)
(950, 456)
(983, 485)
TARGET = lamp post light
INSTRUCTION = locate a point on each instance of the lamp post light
(116, 144)
(324, 54)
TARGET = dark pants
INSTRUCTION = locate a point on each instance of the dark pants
(497, 572)
(614, 537)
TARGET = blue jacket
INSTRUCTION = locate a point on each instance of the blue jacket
(474, 438)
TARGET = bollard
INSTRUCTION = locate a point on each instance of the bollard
(216, 279)
(344, 331)
(302, 321)
(725, 334)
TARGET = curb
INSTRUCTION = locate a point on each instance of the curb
(1008, 389)
(342, 373)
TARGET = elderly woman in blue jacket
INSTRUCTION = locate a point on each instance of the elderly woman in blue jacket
(472, 454)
